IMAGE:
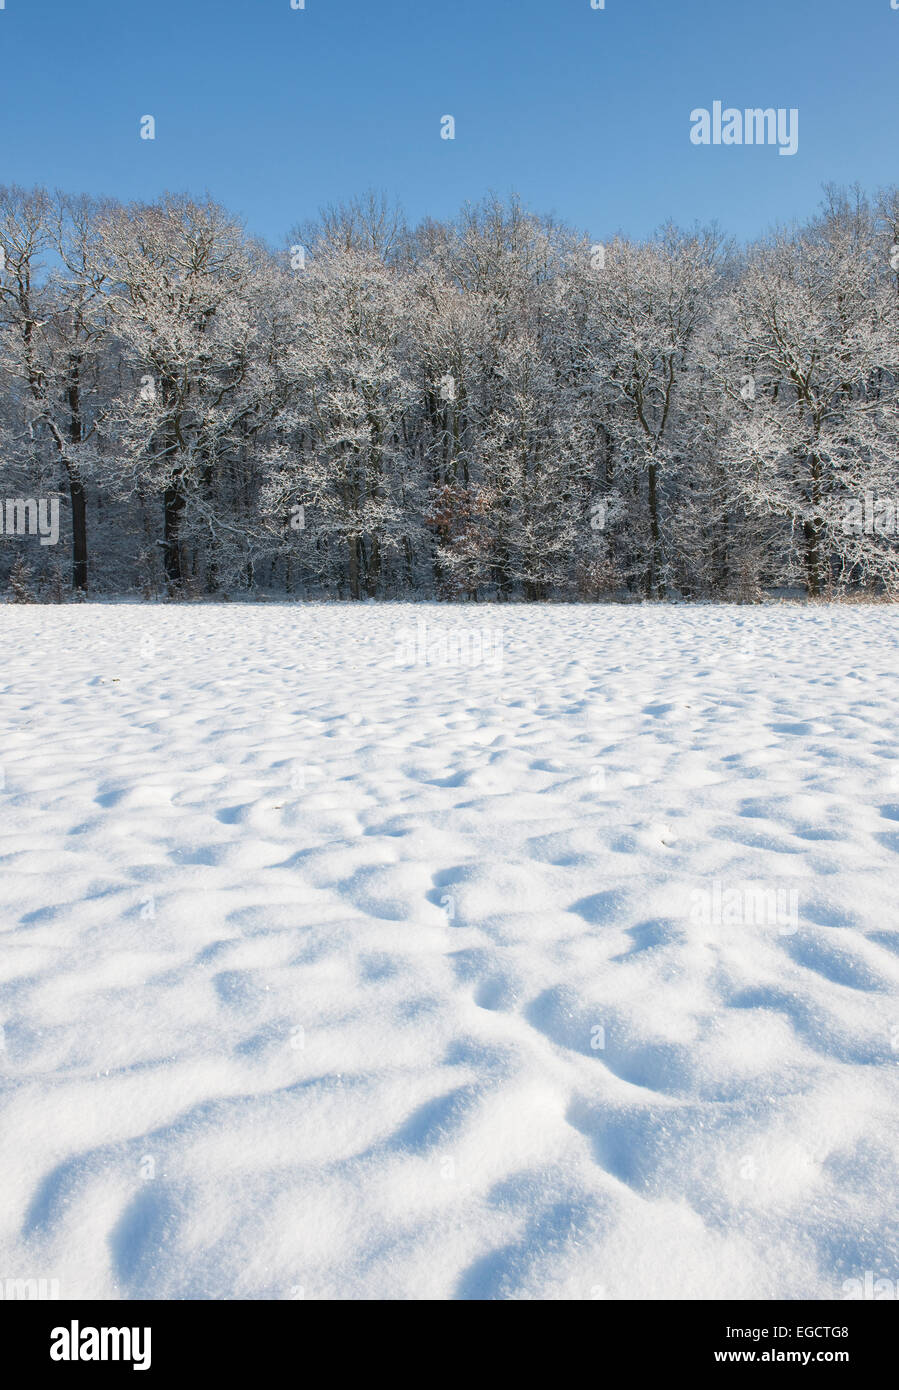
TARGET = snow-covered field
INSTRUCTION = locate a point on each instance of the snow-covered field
(331, 971)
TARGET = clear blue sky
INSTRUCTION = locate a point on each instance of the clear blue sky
(584, 112)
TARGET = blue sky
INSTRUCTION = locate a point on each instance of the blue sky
(584, 112)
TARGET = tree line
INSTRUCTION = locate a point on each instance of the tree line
(493, 407)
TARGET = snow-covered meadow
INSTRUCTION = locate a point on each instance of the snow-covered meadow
(555, 960)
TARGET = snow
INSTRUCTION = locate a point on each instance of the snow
(332, 971)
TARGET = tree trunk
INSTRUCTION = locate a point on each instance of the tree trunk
(174, 503)
(812, 559)
(79, 529)
(354, 567)
(373, 572)
(76, 486)
(812, 533)
(654, 585)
